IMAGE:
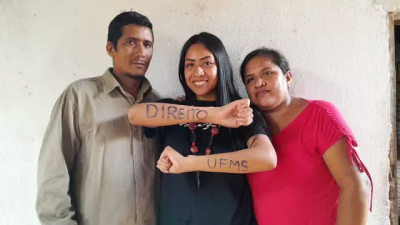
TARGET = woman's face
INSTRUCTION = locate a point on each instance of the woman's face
(201, 72)
(265, 83)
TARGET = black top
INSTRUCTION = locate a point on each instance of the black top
(221, 198)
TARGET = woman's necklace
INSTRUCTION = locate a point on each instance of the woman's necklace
(194, 149)
(214, 131)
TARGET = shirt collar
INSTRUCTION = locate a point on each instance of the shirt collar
(110, 83)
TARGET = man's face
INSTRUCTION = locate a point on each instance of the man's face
(134, 51)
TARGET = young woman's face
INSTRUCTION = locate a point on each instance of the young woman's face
(265, 83)
(201, 72)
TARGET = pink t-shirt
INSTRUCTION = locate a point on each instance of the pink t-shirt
(301, 190)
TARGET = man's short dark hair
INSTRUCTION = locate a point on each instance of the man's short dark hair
(115, 29)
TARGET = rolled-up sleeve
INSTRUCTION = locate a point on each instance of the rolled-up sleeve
(56, 159)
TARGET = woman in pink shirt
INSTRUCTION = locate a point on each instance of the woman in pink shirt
(319, 178)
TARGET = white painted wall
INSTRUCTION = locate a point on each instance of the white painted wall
(389, 5)
(338, 51)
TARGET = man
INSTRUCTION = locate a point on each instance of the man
(94, 167)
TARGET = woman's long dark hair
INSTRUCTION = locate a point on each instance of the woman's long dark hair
(226, 91)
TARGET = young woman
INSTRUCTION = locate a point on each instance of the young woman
(209, 141)
(319, 178)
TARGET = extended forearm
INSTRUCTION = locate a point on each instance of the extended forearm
(160, 114)
(244, 161)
